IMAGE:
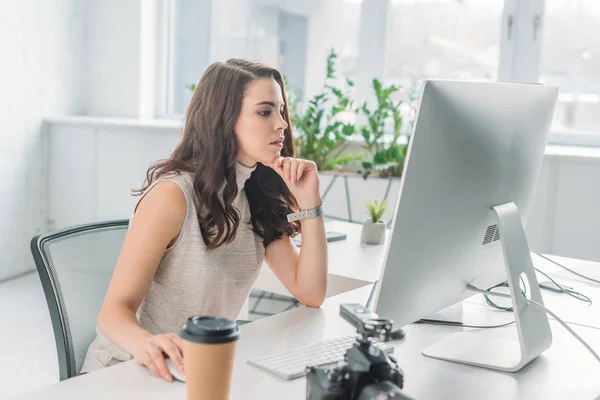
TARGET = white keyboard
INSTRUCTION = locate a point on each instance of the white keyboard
(292, 365)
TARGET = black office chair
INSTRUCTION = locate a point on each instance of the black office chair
(75, 266)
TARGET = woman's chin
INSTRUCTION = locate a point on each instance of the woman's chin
(271, 158)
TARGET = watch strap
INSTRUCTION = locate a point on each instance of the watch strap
(306, 214)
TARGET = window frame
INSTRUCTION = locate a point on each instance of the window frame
(165, 70)
(521, 56)
(521, 36)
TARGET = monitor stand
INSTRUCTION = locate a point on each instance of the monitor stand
(452, 315)
(481, 348)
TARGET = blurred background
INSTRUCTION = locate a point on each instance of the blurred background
(93, 91)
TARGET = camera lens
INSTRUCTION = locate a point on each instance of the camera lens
(383, 390)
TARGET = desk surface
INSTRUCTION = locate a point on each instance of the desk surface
(351, 263)
(566, 307)
(354, 264)
(566, 370)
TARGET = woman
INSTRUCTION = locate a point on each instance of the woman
(208, 217)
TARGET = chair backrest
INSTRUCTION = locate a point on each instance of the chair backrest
(75, 266)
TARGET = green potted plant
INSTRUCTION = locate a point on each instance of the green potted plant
(388, 154)
(373, 229)
(321, 134)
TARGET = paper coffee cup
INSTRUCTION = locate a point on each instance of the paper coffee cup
(208, 353)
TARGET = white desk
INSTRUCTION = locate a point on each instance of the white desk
(566, 307)
(566, 370)
(351, 263)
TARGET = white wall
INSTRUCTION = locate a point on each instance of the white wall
(112, 58)
(112, 158)
(59, 57)
(576, 224)
(40, 71)
(41, 74)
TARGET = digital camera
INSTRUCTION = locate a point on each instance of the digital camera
(367, 373)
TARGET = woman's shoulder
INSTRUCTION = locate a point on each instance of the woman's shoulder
(183, 179)
(163, 192)
(178, 177)
(171, 188)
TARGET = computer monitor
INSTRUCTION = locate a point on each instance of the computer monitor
(471, 167)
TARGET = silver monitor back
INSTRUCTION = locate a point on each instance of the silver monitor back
(475, 145)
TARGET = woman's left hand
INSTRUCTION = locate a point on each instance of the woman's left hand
(302, 178)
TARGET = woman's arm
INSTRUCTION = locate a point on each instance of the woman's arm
(303, 273)
(155, 225)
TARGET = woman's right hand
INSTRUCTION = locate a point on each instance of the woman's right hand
(151, 352)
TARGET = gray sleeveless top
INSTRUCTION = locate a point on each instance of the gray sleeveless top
(191, 280)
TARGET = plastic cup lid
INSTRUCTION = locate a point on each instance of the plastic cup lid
(209, 330)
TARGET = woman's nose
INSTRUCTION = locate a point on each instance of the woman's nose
(281, 124)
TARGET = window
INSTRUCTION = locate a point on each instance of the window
(186, 35)
(571, 60)
(453, 39)
(346, 45)
(443, 39)
(198, 32)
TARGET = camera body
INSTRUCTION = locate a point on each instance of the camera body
(367, 372)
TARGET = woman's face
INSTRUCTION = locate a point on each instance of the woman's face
(260, 126)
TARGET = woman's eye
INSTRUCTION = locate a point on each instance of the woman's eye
(265, 113)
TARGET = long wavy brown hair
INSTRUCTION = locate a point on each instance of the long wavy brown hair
(209, 149)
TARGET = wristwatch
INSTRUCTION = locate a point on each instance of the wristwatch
(306, 214)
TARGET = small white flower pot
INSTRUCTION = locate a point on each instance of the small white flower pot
(373, 232)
